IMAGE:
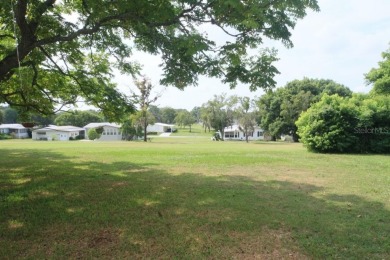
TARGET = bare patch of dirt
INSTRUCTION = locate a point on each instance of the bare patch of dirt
(104, 238)
(270, 244)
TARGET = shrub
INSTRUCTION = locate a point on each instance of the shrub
(340, 125)
(5, 137)
(92, 134)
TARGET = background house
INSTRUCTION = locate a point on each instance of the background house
(160, 128)
(15, 130)
(235, 132)
(60, 133)
(111, 131)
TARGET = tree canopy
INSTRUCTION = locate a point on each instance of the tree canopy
(185, 118)
(219, 112)
(380, 77)
(246, 117)
(280, 109)
(53, 53)
(78, 118)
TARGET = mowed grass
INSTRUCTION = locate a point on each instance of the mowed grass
(197, 130)
(185, 198)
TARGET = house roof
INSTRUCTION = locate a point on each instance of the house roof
(233, 128)
(94, 125)
(65, 128)
(12, 126)
(162, 124)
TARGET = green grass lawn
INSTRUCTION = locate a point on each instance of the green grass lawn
(196, 131)
(190, 198)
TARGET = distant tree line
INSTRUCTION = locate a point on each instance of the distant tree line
(80, 118)
(324, 115)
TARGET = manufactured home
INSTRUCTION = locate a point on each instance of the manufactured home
(111, 131)
(15, 130)
(160, 128)
(58, 133)
(235, 132)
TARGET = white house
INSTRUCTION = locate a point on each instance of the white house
(60, 133)
(160, 128)
(15, 130)
(235, 132)
(111, 131)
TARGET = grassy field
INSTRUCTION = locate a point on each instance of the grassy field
(192, 198)
(196, 131)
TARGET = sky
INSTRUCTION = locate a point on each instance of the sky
(342, 42)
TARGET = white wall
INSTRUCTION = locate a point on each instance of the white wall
(109, 134)
(258, 134)
(52, 135)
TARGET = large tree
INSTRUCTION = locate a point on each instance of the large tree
(380, 77)
(78, 118)
(280, 109)
(54, 52)
(10, 116)
(246, 116)
(185, 118)
(221, 112)
(168, 115)
(156, 112)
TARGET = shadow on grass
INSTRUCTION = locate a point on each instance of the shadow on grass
(58, 207)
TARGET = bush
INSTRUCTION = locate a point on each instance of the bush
(5, 137)
(92, 134)
(152, 133)
(347, 125)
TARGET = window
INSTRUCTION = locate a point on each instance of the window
(229, 135)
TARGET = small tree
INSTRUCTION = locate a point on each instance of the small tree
(144, 100)
(141, 121)
(128, 130)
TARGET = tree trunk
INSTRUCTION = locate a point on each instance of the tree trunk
(145, 134)
(222, 134)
